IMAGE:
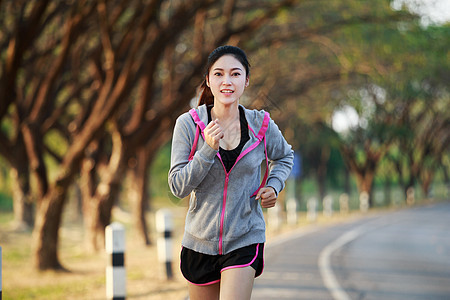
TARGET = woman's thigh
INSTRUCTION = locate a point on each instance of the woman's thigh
(205, 292)
(237, 283)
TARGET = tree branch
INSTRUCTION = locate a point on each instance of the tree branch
(26, 33)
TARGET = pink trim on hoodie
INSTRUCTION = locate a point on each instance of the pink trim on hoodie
(260, 137)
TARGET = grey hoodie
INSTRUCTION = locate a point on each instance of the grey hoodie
(223, 213)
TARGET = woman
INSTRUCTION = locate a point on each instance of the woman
(217, 151)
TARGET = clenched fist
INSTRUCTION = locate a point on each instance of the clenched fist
(268, 197)
(213, 134)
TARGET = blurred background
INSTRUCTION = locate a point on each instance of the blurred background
(90, 91)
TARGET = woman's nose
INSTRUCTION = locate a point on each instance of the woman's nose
(227, 80)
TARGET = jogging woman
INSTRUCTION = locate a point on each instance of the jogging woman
(217, 152)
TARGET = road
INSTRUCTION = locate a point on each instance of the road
(401, 255)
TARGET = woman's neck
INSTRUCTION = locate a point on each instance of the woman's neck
(225, 113)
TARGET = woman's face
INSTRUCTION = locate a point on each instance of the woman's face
(227, 79)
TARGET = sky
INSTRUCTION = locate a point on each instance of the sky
(431, 11)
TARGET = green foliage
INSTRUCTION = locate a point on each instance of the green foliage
(56, 142)
(5, 191)
(6, 203)
(7, 127)
(335, 165)
(158, 173)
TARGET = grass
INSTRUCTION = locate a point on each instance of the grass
(86, 276)
(56, 290)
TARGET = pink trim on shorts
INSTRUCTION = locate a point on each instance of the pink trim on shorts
(203, 284)
(243, 266)
(198, 284)
(227, 268)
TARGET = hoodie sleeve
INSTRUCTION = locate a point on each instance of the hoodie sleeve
(281, 157)
(185, 175)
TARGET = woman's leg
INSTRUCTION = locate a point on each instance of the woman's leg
(205, 292)
(237, 283)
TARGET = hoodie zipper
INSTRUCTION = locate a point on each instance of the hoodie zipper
(222, 214)
(227, 175)
(225, 191)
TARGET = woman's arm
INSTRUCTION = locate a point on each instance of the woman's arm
(185, 175)
(281, 158)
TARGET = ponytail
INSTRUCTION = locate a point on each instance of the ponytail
(206, 96)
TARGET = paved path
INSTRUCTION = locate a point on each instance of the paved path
(396, 255)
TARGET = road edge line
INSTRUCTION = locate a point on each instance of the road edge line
(328, 277)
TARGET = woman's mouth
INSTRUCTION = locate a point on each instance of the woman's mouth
(226, 91)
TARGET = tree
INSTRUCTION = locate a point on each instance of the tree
(80, 94)
(420, 94)
(163, 92)
(315, 59)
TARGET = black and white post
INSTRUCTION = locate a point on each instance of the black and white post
(115, 269)
(164, 227)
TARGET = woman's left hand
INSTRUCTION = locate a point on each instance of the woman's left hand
(268, 197)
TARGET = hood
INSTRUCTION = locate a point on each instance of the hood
(254, 118)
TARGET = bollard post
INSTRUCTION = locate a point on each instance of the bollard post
(311, 215)
(274, 217)
(343, 204)
(328, 206)
(291, 207)
(364, 202)
(410, 198)
(115, 269)
(291, 203)
(164, 227)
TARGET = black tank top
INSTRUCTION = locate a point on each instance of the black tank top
(229, 156)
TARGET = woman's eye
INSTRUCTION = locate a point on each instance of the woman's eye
(236, 74)
(217, 74)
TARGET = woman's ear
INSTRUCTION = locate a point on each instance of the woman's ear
(247, 82)
(207, 81)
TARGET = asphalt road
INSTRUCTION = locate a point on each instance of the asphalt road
(402, 255)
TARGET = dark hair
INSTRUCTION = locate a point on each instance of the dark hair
(206, 96)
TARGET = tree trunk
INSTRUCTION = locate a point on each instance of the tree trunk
(92, 226)
(45, 234)
(387, 191)
(446, 180)
(411, 183)
(321, 183)
(322, 172)
(347, 186)
(140, 195)
(22, 200)
(97, 215)
(365, 183)
(100, 197)
(425, 182)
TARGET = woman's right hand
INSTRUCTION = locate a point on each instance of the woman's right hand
(213, 134)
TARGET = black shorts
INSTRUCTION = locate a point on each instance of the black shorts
(204, 269)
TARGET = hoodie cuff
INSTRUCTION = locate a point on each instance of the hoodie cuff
(275, 184)
(274, 189)
(207, 152)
